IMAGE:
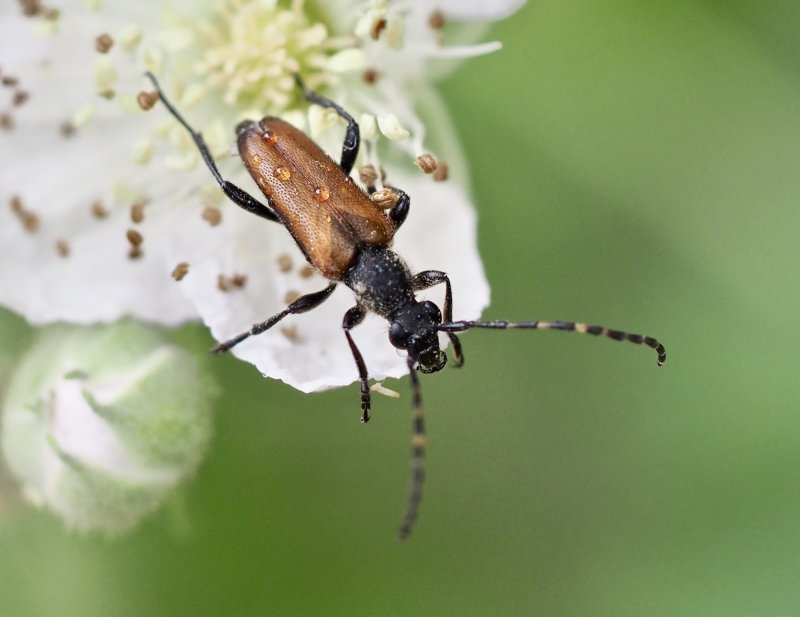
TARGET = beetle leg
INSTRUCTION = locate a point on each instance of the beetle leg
(352, 138)
(238, 196)
(429, 278)
(352, 318)
(301, 305)
(399, 211)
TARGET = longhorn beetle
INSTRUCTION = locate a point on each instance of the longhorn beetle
(346, 237)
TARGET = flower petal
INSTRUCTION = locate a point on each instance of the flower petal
(310, 351)
(479, 10)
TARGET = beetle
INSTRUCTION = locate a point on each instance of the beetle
(346, 237)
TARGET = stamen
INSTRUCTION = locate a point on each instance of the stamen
(130, 37)
(379, 388)
(377, 27)
(143, 150)
(290, 332)
(62, 248)
(370, 76)
(135, 239)
(20, 96)
(67, 129)
(212, 215)
(384, 198)
(146, 100)
(83, 115)
(390, 126)
(427, 163)
(442, 172)
(456, 52)
(368, 175)
(225, 283)
(105, 73)
(181, 270)
(137, 212)
(436, 20)
(368, 127)
(28, 219)
(98, 211)
(284, 262)
(31, 8)
(103, 43)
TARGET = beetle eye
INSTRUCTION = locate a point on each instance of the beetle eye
(398, 336)
(433, 311)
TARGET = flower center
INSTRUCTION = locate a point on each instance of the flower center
(253, 49)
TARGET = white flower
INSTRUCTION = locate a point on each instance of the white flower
(101, 424)
(109, 205)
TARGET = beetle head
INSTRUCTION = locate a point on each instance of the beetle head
(414, 328)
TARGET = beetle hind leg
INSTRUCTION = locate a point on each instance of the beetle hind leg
(301, 305)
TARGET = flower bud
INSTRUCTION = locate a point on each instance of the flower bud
(101, 424)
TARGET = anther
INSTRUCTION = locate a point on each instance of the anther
(212, 216)
(427, 163)
(146, 100)
(385, 198)
(442, 172)
(181, 270)
(377, 28)
(67, 129)
(307, 271)
(284, 262)
(370, 76)
(226, 283)
(290, 332)
(368, 175)
(137, 212)
(134, 237)
(98, 211)
(20, 96)
(103, 43)
(31, 8)
(436, 20)
(62, 248)
(29, 220)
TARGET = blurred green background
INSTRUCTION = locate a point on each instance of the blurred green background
(636, 165)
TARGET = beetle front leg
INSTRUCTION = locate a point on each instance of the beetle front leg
(352, 138)
(352, 318)
(399, 211)
(301, 305)
(429, 278)
(239, 196)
